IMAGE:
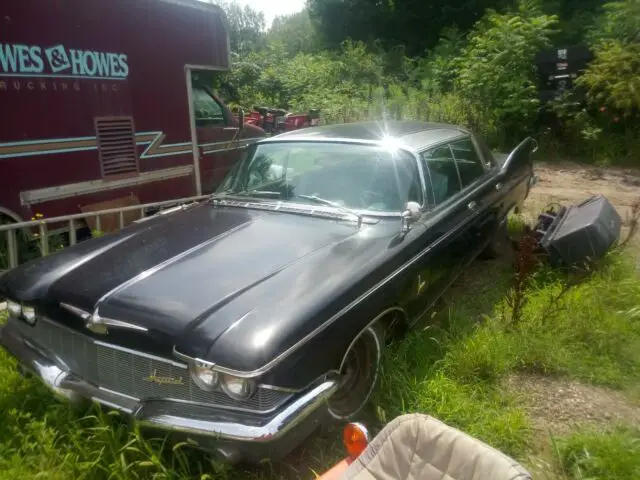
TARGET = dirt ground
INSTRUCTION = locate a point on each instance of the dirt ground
(557, 406)
(569, 183)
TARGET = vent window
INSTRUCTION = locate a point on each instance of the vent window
(117, 146)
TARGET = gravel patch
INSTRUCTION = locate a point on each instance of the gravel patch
(558, 406)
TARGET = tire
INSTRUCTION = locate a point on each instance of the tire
(500, 245)
(359, 374)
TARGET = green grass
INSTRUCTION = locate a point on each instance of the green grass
(452, 369)
(596, 456)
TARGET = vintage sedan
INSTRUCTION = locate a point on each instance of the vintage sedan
(245, 321)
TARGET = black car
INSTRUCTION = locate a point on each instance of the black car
(246, 320)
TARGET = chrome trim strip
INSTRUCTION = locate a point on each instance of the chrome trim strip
(292, 415)
(280, 389)
(46, 194)
(160, 266)
(139, 353)
(112, 392)
(84, 315)
(95, 321)
(230, 200)
(177, 401)
(279, 358)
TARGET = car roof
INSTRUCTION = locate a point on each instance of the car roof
(415, 135)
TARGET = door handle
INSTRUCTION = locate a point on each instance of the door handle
(498, 186)
(472, 205)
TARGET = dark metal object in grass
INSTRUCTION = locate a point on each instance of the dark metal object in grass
(579, 234)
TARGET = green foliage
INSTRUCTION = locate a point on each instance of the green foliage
(496, 69)
(414, 24)
(296, 33)
(606, 130)
(596, 455)
(613, 78)
(620, 21)
(244, 25)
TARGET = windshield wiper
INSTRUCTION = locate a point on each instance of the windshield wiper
(266, 193)
(324, 201)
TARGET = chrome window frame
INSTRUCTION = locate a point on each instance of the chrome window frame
(478, 153)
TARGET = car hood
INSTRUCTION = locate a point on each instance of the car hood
(168, 273)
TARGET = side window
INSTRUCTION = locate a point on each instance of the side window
(206, 110)
(442, 173)
(486, 151)
(468, 161)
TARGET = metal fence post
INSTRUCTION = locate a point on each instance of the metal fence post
(44, 239)
(72, 232)
(12, 247)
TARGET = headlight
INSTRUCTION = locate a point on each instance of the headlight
(14, 308)
(206, 378)
(237, 388)
(29, 314)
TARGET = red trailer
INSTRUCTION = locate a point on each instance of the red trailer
(108, 102)
(276, 120)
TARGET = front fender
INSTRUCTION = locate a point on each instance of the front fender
(323, 353)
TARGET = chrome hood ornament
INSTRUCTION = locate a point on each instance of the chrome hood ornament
(100, 325)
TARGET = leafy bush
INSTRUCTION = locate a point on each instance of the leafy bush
(496, 70)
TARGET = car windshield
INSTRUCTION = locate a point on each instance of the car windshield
(352, 176)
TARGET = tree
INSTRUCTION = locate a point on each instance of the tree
(496, 70)
(295, 32)
(415, 24)
(613, 78)
(245, 25)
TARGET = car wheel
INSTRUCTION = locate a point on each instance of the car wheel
(499, 244)
(359, 374)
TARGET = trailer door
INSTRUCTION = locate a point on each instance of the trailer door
(213, 134)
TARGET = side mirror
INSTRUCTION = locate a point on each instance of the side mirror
(410, 215)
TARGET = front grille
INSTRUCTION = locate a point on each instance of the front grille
(124, 371)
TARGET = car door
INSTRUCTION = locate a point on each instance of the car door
(437, 266)
(480, 196)
(460, 221)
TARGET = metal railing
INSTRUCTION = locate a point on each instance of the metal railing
(76, 221)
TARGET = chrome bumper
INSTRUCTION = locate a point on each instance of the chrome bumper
(183, 417)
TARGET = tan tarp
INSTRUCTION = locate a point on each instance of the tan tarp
(419, 447)
(111, 222)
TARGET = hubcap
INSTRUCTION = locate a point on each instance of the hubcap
(358, 376)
